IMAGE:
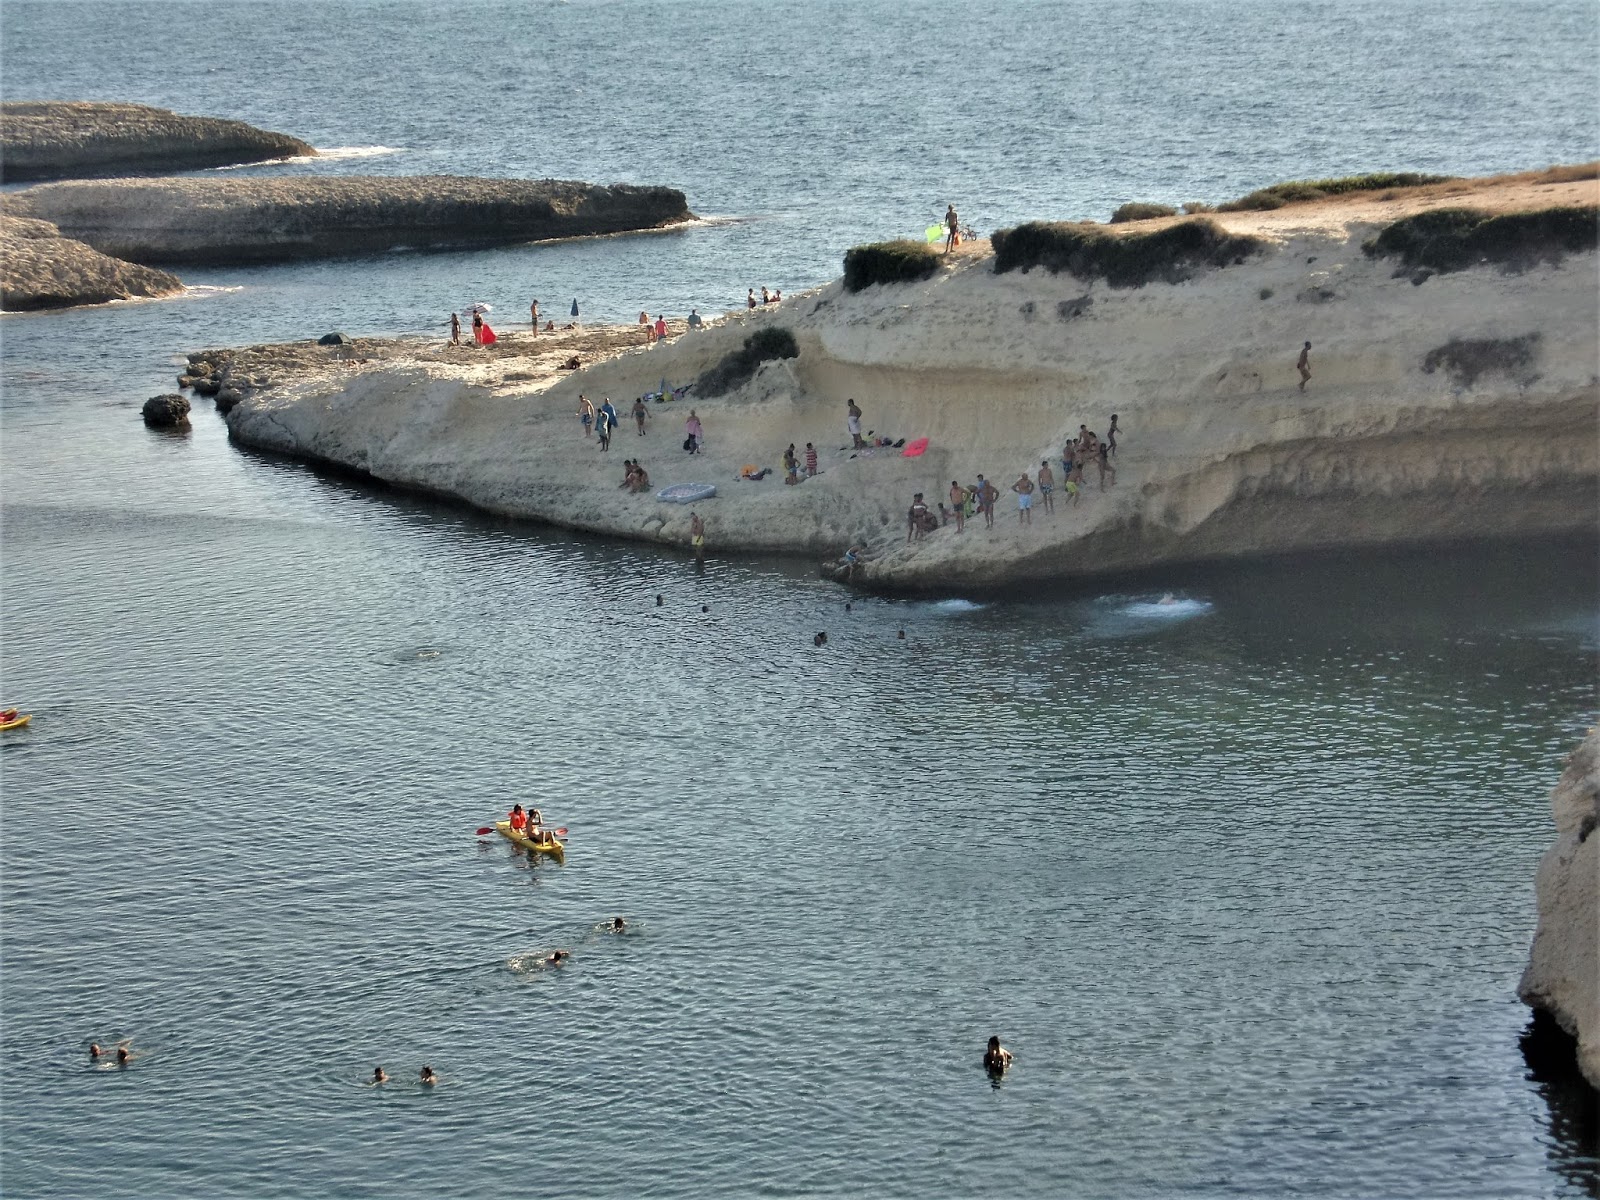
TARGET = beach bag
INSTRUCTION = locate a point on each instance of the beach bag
(688, 442)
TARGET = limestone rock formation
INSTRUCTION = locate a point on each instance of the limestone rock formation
(41, 269)
(1467, 408)
(57, 139)
(254, 220)
(163, 412)
(1563, 975)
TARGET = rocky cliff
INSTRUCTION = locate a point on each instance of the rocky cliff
(41, 269)
(253, 220)
(1457, 405)
(57, 139)
(1563, 975)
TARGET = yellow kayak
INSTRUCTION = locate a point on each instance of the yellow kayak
(17, 722)
(553, 848)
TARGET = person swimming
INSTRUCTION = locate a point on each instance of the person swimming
(124, 1056)
(557, 958)
(618, 925)
(427, 1078)
(379, 1075)
(996, 1058)
(94, 1050)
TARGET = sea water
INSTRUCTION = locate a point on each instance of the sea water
(1244, 880)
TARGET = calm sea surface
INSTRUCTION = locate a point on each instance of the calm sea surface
(1245, 882)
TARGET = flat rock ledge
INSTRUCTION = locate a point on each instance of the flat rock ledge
(256, 220)
(1563, 975)
(40, 269)
(59, 139)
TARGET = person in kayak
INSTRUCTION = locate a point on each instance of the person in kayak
(379, 1075)
(519, 820)
(428, 1078)
(996, 1058)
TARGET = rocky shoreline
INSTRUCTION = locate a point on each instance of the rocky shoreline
(1458, 407)
(1563, 975)
(40, 269)
(58, 139)
(242, 221)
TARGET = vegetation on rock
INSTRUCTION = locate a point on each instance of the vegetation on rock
(1453, 239)
(1302, 190)
(737, 368)
(1126, 260)
(902, 261)
(1136, 210)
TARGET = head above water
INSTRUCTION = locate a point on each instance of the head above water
(994, 1043)
(122, 1054)
(618, 923)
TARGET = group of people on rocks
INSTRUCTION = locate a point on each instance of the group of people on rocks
(768, 296)
(634, 477)
(797, 466)
(978, 499)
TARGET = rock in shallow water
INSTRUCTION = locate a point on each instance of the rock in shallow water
(164, 412)
(40, 269)
(257, 219)
(1563, 975)
(60, 139)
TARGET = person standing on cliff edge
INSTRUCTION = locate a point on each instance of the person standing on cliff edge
(697, 535)
(953, 224)
(455, 329)
(1303, 365)
(533, 311)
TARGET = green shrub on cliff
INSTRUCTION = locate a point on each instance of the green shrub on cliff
(1452, 239)
(1300, 191)
(1137, 210)
(888, 262)
(737, 368)
(1127, 260)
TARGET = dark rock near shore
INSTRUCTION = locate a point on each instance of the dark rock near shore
(53, 139)
(163, 412)
(40, 269)
(254, 220)
(227, 398)
(207, 385)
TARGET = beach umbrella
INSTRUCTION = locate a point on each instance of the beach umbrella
(574, 306)
(480, 307)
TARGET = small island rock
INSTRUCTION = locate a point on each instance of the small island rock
(163, 412)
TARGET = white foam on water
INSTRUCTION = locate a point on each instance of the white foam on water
(956, 606)
(352, 152)
(1166, 609)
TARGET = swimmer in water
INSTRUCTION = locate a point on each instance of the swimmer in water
(94, 1050)
(379, 1075)
(557, 958)
(427, 1078)
(618, 925)
(996, 1058)
(124, 1056)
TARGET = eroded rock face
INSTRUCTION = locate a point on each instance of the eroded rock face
(41, 269)
(163, 412)
(255, 220)
(1563, 975)
(52, 139)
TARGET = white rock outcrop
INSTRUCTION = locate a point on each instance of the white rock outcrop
(1563, 975)
(1463, 407)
